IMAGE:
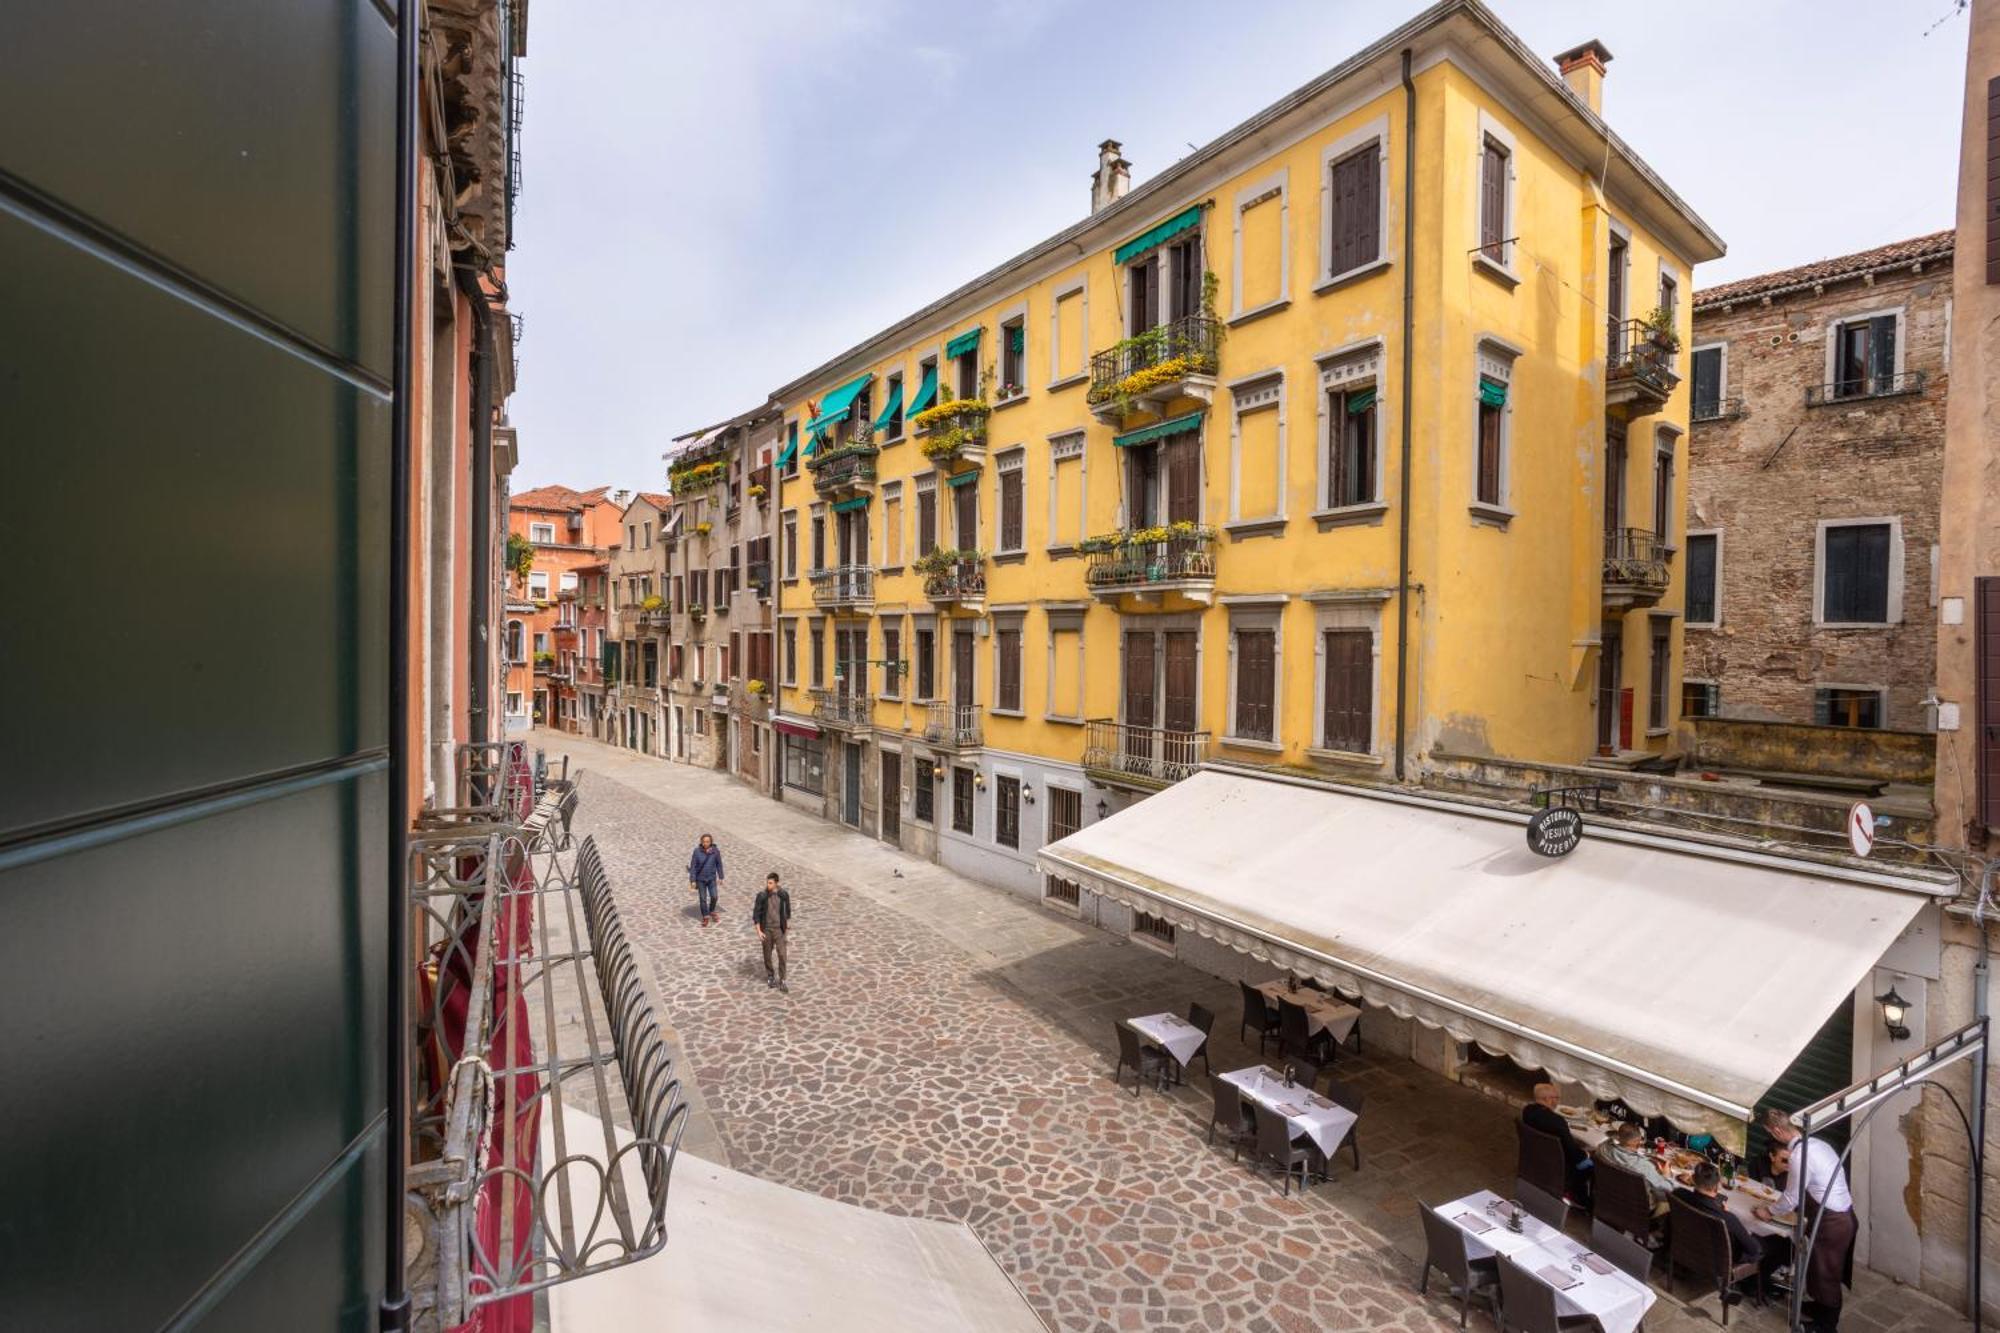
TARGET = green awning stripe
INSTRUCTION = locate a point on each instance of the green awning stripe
(1159, 431)
(812, 445)
(963, 343)
(962, 479)
(889, 412)
(1159, 235)
(926, 392)
(1357, 403)
(846, 506)
(1492, 393)
(836, 405)
(785, 459)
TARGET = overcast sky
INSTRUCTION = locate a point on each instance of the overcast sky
(721, 194)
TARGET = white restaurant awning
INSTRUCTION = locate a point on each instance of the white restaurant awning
(1683, 981)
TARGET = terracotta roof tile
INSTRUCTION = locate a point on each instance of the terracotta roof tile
(655, 499)
(1927, 249)
(558, 498)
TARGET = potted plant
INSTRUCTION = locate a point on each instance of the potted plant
(703, 528)
(697, 612)
(1660, 328)
(756, 687)
(758, 493)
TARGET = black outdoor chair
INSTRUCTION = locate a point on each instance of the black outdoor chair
(1528, 1304)
(1304, 1072)
(1274, 1145)
(1258, 1015)
(1550, 1208)
(1205, 1020)
(1145, 1060)
(1347, 1097)
(1620, 1199)
(1444, 1250)
(1627, 1254)
(1294, 1033)
(1232, 1116)
(1698, 1243)
(1542, 1162)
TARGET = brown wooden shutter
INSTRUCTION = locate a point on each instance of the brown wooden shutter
(1179, 712)
(961, 669)
(1986, 669)
(1614, 479)
(926, 522)
(1367, 206)
(1011, 510)
(1493, 200)
(1992, 187)
(1347, 721)
(965, 502)
(1139, 678)
(1489, 454)
(1010, 668)
(1255, 682)
(1184, 478)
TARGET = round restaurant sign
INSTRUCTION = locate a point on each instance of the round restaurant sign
(1861, 828)
(1555, 831)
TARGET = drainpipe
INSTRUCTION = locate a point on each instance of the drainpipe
(395, 1310)
(1981, 1010)
(478, 646)
(1409, 356)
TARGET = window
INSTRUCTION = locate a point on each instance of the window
(1256, 684)
(1150, 929)
(927, 378)
(646, 534)
(1670, 296)
(1067, 509)
(1704, 559)
(1492, 411)
(791, 449)
(538, 585)
(1065, 676)
(1350, 465)
(1494, 166)
(1065, 812)
(1257, 456)
(1067, 892)
(514, 701)
(1847, 706)
(1007, 812)
(1660, 671)
(1864, 353)
(926, 518)
(1663, 488)
(965, 370)
(892, 525)
(818, 541)
(805, 762)
(961, 800)
(789, 544)
(926, 663)
(1007, 673)
(542, 533)
(965, 513)
(892, 658)
(1855, 573)
(732, 658)
(892, 425)
(1013, 359)
(788, 643)
(922, 798)
(516, 633)
(818, 636)
(1012, 502)
(701, 722)
(1347, 706)
(1708, 375)
(1354, 221)
(697, 589)
(1701, 698)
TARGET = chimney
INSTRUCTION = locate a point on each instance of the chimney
(1583, 70)
(1112, 178)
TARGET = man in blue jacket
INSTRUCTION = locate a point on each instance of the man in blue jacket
(705, 874)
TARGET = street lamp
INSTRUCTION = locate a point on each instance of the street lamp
(1894, 1010)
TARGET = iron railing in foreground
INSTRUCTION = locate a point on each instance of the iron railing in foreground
(515, 916)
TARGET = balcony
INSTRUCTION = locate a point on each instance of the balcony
(1635, 569)
(566, 594)
(1154, 370)
(759, 488)
(656, 621)
(954, 433)
(1715, 409)
(844, 588)
(1864, 388)
(951, 726)
(955, 578)
(1638, 368)
(545, 664)
(844, 471)
(1152, 568)
(836, 708)
(1119, 754)
(757, 577)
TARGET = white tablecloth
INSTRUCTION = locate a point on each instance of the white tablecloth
(1324, 1013)
(1307, 1112)
(1741, 1200)
(1618, 1300)
(1171, 1033)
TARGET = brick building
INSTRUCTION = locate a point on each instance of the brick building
(569, 532)
(1816, 464)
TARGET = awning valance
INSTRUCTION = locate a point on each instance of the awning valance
(1157, 236)
(962, 478)
(926, 392)
(785, 458)
(1681, 982)
(836, 405)
(963, 343)
(1492, 393)
(851, 504)
(889, 412)
(1158, 431)
(795, 726)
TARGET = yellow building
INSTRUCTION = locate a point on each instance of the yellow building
(1341, 444)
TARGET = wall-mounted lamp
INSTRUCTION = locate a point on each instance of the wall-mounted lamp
(979, 779)
(1028, 795)
(1102, 809)
(1894, 1010)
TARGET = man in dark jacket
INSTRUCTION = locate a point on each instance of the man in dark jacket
(773, 918)
(705, 874)
(1541, 1114)
(1744, 1247)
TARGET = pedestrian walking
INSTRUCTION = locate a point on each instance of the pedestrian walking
(773, 917)
(705, 876)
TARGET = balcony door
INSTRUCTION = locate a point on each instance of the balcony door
(1143, 285)
(1610, 672)
(1161, 685)
(1614, 298)
(965, 516)
(851, 537)
(1614, 483)
(963, 697)
(1163, 481)
(850, 651)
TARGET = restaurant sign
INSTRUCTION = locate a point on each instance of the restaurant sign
(1555, 831)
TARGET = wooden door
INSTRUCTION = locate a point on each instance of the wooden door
(1184, 478)
(1610, 671)
(1140, 694)
(965, 516)
(1178, 707)
(892, 796)
(961, 670)
(1986, 665)
(1614, 482)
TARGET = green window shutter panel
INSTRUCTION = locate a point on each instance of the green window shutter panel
(1492, 393)
(963, 343)
(1357, 403)
(1157, 236)
(1017, 339)
(836, 405)
(926, 392)
(889, 412)
(1159, 431)
(785, 459)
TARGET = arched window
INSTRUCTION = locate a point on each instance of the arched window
(516, 647)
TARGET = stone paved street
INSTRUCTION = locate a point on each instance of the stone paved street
(946, 1049)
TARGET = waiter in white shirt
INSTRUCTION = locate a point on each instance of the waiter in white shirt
(1817, 1171)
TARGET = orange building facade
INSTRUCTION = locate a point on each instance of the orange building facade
(558, 541)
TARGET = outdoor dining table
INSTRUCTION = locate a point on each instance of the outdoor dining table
(1585, 1283)
(1741, 1198)
(1172, 1034)
(1324, 1013)
(1325, 1122)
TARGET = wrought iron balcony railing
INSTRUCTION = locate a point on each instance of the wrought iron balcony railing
(1141, 756)
(1635, 566)
(963, 580)
(1715, 409)
(952, 726)
(1155, 359)
(1146, 557)
(1864, 388)
(1637, 364)
(844, 469)
(840, 708)
(844, 585)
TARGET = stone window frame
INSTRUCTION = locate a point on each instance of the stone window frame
(788, 651)
(1013, 618)
(1348, 145)
(1066, 446)
(1261, 392)
(1881, 693)
(923, 623)
(892, 677)
(1014, 315)
(927, 484)
(1364, 361)
(1022, 805)
(1667, 439)
(1013, 459)
(1831, 337)
(1493, 357)
(1079, 287)
(897, 373)
(1339, 609)
(1066, 618)
(892, 491)
(1502, 269)
(1278, 185)
(1893, 610)
(1688, 537)
(535, 529)
(1707, 683)
(1255, 611)
(1720, 346)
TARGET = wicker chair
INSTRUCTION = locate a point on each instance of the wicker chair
(1232, 1116)
(1349, 1098)
(1627, 1254)
(1621, 1200)
(1698, 1243)
(1274, 1145)
(1204, 1019)
(1542, 1162)
(1143, 1059)
(1444, 1250)
(1550, 1208)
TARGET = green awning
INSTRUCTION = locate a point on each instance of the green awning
(889, 412)
(785, 459)
(1492, 393)
(836, 405)
(1160, 431)
(926, 392)
(1360, 402)
(963, 343)
(1158, 236)
(962, 479)
(845, 506)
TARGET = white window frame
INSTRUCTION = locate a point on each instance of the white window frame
(1079, 287)
(1502, 268)
(536, 533)
(1494, 358)
(1262, 392)
(1256, 612)
(1017, 314)
(1894, 608)
(1064, 620)
(1068, 446)
(538, 585)
(566, 581)
(1346, 611)
(1689, 537)
(1352, 365)
(1004, 462)
(1721, 348)
(1377, 131)
(1016, 619)
(902, 416)
(1278, 185)
(1832, 338)
(514, 702)
(890, 490)
(788, 544)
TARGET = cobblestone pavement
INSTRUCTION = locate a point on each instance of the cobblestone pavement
(945, 1050)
